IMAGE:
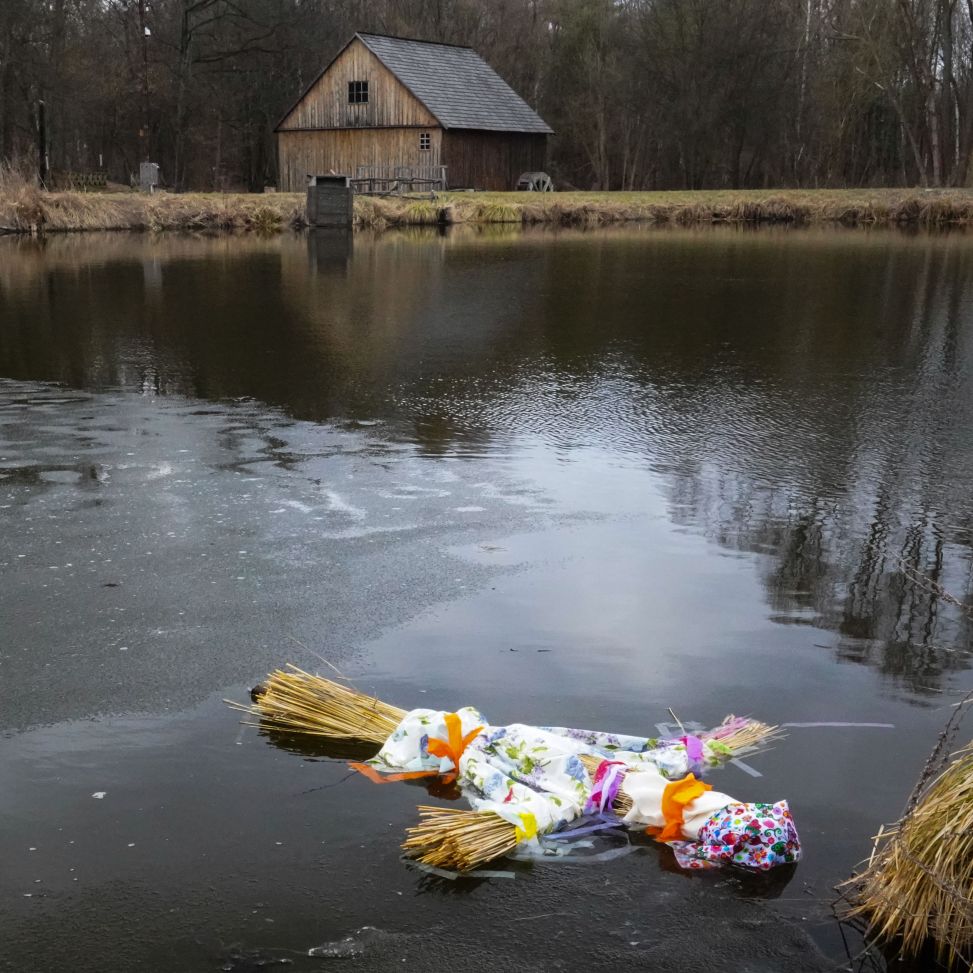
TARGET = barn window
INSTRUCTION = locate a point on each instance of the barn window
(357, 92)
(425, 141)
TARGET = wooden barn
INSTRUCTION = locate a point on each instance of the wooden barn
(388, 104)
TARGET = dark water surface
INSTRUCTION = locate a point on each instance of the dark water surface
(570, 478)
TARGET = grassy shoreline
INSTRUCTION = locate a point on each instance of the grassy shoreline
(24, 209)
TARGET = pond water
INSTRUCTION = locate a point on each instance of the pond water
(572, 478)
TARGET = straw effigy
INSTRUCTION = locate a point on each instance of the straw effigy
(464, 840)
(918, 884)
(294, 701)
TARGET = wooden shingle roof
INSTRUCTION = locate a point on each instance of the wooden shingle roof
(456, 85)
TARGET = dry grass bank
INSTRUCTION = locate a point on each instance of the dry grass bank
(849, 207)
(23, 209)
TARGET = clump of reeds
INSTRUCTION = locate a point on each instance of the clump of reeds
(294, 701)
(20, 209)
(918, 884)
(459, 840)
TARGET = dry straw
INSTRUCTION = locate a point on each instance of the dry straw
(459, 840)
(743, 736)
(918, 884)
(294, 701)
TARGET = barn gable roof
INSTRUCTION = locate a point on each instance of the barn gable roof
(457, 86)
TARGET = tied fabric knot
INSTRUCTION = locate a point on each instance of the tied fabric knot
(451, 748)
(675, 798)
(604, 790)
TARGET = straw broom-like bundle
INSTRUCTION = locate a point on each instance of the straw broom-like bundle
(294, 701)
(743, 736)
(919, 881)
(457, 839)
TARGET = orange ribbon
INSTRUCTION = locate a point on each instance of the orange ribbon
(676, 796)
(452, 748)
(376, 777)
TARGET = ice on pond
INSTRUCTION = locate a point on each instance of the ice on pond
(353, 945)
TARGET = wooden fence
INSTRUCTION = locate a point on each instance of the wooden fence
(81, 180)
(386, 180)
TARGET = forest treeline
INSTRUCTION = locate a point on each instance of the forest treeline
(643, 94)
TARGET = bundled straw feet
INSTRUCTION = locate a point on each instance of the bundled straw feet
(459, 840)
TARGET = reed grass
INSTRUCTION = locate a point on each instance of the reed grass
(24, 208)
(918, 884)
(19, 201)
(294, 701)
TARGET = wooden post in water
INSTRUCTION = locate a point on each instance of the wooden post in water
(330, 201)
(43, 168)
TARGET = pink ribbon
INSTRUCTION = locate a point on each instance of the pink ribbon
(608, 778)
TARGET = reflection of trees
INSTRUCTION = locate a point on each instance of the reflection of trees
(803, 395)
(865, 511)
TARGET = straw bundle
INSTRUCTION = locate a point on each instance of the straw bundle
(919, 880)
(294, 701)
(459, 840)
(741, 735)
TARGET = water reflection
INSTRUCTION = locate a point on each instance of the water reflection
(800, 396)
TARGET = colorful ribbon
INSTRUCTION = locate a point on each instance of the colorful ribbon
(604, 790)
(529, 829)
(376, 777)
(676, 796)
(694, 750)
(451, 748)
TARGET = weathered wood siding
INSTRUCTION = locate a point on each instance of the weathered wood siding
(491, 160)
(325, 133)
(342, 150)
(390, 104)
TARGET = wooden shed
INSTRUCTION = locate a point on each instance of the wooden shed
(390, 102)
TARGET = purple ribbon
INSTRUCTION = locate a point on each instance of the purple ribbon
(694, 750)
(586, 829)
(608, 778)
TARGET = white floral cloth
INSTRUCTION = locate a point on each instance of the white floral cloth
(532, 776)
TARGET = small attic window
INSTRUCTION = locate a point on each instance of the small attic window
(425, 141)
(357, 92)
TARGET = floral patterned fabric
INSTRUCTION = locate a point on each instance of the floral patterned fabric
(758, 836)
(533, 776)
